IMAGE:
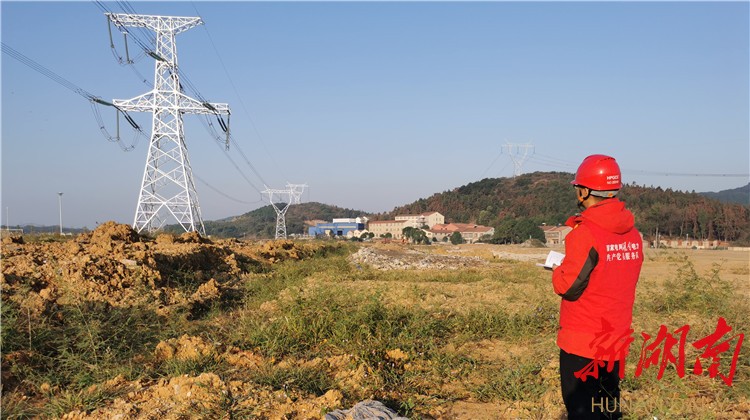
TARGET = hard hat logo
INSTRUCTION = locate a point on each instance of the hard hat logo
(599, 172)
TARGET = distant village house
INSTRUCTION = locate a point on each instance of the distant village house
(555, 235)
(690, 243)
(469, 232)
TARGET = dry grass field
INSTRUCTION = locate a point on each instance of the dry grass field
(111, 325)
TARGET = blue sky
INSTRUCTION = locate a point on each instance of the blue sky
(377, 104)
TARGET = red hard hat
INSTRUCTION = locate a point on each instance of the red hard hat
(600, 173)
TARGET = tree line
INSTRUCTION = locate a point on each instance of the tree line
(515, 207)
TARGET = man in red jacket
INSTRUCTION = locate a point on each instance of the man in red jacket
(596, 280)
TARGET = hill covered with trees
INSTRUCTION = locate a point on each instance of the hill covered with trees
(547, 197)
(740, 195)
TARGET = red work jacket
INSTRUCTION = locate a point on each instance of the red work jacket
(597, 278)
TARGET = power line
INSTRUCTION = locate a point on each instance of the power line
(710, 175)
(503, 168)
(493, 162)
(247, 161)
(551, 163)
(46, 72)
(239, 170)
(239, 97)
(93, 99)
(226, 195)
(557, 160)
(208, 125)
(558, 163)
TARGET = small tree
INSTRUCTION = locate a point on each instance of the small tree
(517, 231)
(417, 236)
(528, 229)
(408, 232)
(456, 238)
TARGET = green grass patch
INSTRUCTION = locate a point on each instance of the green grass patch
(75, 346)
(518, 380)
(497, 323)
(310, 380)
(466, 276)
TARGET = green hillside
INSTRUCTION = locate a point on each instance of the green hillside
(739, 195)
(261, 222)
(548, 197)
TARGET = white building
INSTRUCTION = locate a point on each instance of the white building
(430, 218)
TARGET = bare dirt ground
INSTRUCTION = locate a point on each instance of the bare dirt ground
(116, 266)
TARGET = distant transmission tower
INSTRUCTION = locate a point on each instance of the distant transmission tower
(296, 191)
(518, 157)
(168, 187)
(281, 207)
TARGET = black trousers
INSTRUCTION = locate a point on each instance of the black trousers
(596, 398)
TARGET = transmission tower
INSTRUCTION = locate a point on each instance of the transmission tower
(168, 188)
(281, 207)
(517, 156)
(296, 191)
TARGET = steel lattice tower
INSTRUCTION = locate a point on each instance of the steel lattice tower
(518, 158)
(296, 190)
(281, 209)
(168, 187)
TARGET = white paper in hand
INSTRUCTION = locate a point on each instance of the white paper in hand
(554, 258)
